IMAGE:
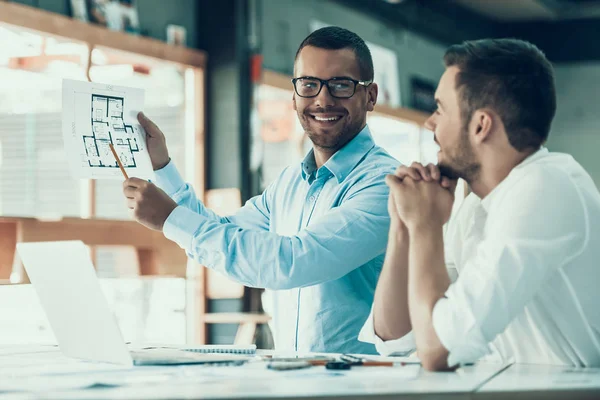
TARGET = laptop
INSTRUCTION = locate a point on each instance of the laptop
(65, 281)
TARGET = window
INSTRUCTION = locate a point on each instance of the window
(34, 178)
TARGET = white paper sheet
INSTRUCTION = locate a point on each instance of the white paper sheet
(95, 115)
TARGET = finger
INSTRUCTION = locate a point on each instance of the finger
(130, 192)
(422, 170)
(449, 184)
(134, 183)
(150, 127)
(131, 204)
(393, 181)
(404, 171)
(434, 171)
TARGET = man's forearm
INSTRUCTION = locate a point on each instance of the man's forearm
(391, 319)
(428, 282)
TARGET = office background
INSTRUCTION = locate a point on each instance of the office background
(236, 36)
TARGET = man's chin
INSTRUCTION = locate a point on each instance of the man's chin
(449, 172)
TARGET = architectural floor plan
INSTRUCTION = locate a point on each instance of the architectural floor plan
(108, 127)
(95, 116)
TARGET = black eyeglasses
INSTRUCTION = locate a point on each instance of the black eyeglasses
(341, 88)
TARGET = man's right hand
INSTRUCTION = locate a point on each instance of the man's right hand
(156, 143)
(416, 171)
(428, 173)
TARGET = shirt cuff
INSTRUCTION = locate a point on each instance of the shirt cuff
(181, 226)
(396, 347)
(169, 179)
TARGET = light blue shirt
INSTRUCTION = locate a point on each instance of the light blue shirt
(315, 237)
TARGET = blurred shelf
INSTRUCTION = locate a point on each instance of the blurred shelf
(94, 35)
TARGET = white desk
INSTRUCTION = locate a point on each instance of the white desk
(43, 372)
(522, 381)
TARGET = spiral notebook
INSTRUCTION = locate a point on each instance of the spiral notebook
(207, 348)
(223, 348)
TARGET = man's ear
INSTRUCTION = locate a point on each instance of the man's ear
(372, 91)
(294, 101)
(482, 124)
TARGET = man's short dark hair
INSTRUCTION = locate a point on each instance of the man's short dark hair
(511, 77)
(336, 38)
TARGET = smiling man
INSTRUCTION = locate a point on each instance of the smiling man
(525, 242)
(316, 237)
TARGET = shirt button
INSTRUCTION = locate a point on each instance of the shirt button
(312, 198)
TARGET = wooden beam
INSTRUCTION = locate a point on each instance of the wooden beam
(200, 133)
(405, 114)
(8, 242)
(276, 79)
(156, 253)
(91, 231)
(148, 262)
(62, 26)
(245, 334)
(196, 304)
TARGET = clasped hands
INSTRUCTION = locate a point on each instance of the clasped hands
(419, 197)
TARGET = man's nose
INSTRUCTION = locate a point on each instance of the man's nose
(430, 123)
(324, 98)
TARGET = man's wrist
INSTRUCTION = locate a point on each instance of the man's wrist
(173, 207)
(421, 224)
(161, 165)
(398, 232)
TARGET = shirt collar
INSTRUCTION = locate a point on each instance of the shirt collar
(344, 160)
(541, 153)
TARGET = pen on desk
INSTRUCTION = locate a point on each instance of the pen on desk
(353, 360)
(375, 364)
(112, 148)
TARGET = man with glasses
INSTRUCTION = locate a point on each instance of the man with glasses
(317, 235)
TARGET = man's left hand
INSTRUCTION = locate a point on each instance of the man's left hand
(150, 205)
(419, 202)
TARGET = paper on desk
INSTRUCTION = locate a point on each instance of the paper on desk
(95, 115)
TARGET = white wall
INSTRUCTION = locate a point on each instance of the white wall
(576, 127)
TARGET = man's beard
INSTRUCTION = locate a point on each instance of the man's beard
(331, 141)
(463, 163)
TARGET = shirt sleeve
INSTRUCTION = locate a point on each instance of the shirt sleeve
(254, 214)
(339, 241)
(529, 238)
(406, 344)
(169, 180)
(397, 347)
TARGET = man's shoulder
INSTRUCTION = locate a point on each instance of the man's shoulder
(376, 164)
(557, 170)
(551, 184)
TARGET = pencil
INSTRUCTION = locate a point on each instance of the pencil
(376, 364)
(112, 148)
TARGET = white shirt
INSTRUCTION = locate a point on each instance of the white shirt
(528, 275)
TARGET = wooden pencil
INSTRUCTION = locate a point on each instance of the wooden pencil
(112, 148)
